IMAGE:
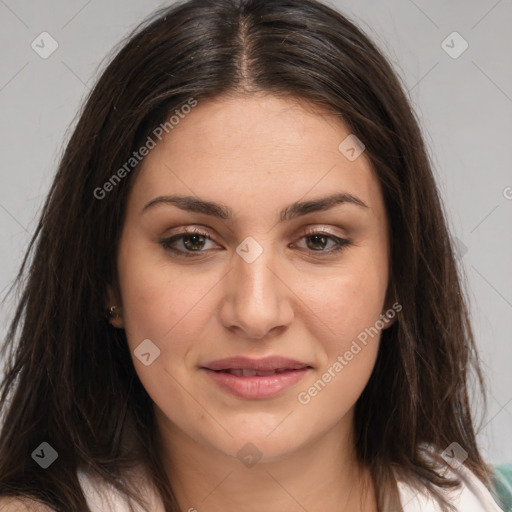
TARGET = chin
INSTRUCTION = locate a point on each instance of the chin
(261, 445)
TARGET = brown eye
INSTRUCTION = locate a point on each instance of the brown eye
(318, 242)
(191, 242)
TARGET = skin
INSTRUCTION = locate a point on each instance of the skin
(255, 154)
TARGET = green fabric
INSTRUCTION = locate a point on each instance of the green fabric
(503, 486)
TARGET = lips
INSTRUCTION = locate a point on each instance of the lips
(255, 378)
(246, 372)
(245, 366)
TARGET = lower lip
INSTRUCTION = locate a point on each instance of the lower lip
(257, 387)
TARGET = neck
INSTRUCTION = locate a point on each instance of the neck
(323, 475)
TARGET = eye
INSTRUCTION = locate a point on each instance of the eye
(194, 241)
(320, 239)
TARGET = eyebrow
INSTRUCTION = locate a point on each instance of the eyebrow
(221, 211)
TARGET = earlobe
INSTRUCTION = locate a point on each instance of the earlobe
(115, 317)
(392, 307)
(113, 308)
(389, 316)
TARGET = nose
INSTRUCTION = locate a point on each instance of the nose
(257, 302)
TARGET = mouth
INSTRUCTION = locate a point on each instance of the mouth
(255, 379)
(265, 364)
(246, 372)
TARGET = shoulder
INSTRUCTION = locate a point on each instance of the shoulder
(471, 496)
(18, 504)
(100, 495)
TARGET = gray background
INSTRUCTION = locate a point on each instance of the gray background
(464, 103)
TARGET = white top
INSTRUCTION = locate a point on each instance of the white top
(102, 497)
(473, 497)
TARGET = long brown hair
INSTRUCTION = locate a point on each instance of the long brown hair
(69, 378)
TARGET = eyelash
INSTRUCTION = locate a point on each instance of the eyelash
(166, 243)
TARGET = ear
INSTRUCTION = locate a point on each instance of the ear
(114, 299)
(391, 308)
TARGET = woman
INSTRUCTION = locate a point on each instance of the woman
(317, 356)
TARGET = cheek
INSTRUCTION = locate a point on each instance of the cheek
(347, 303)
(347, 321)
(158, 301)
(163, 308)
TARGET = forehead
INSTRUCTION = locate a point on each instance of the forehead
(256, 148)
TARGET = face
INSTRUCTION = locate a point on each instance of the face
(257, 276)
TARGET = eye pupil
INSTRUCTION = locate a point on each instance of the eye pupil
(317, 237)
(189, 243)
(194, 237)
